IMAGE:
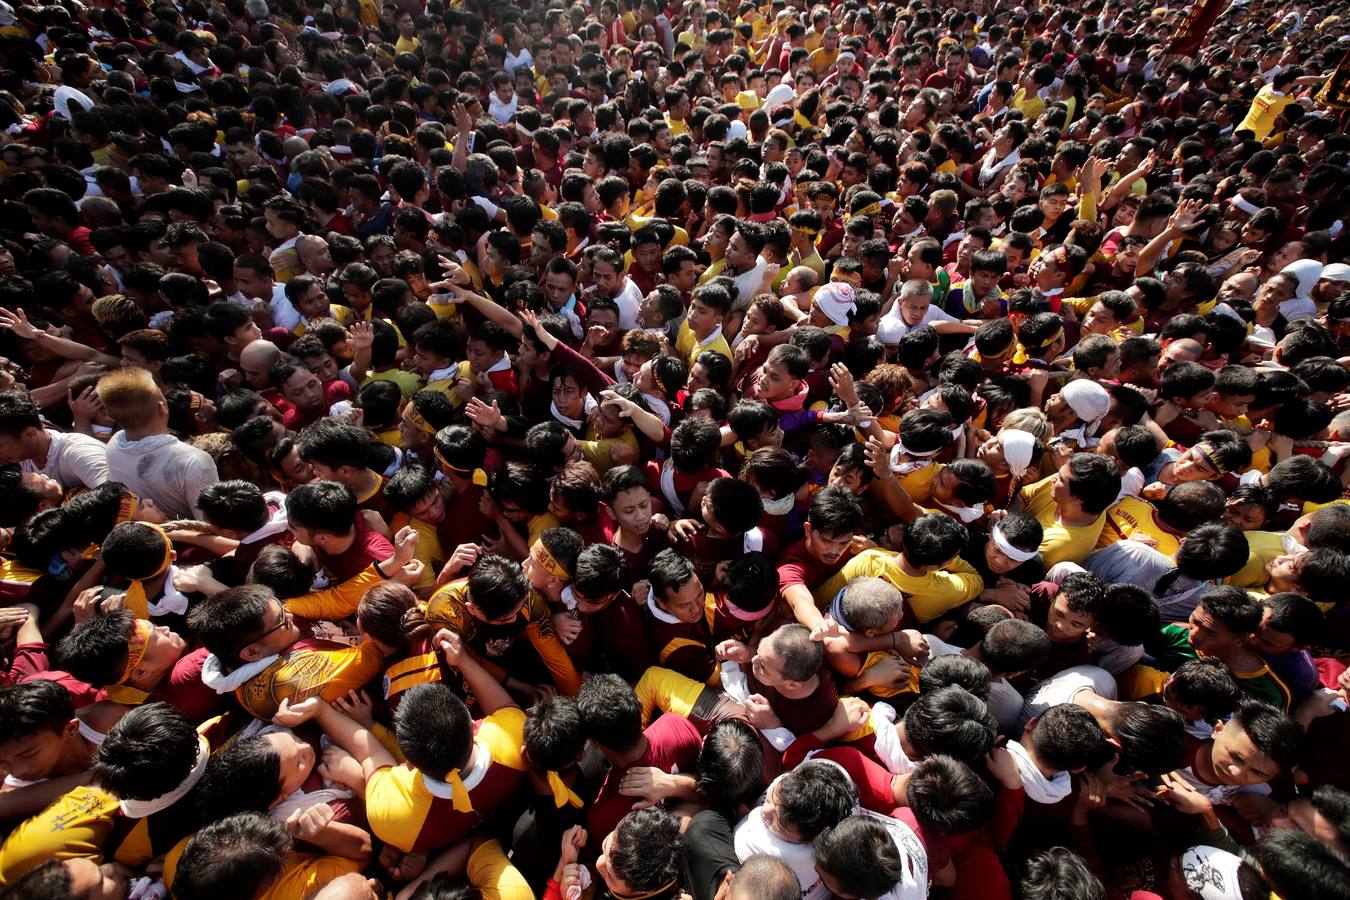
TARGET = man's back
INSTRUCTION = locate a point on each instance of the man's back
(163, 469)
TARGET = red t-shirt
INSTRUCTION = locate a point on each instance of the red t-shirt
(369, 547)
(672, 746)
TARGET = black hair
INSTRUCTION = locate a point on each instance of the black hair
(34, 706)
(1058, 874)
(737, 504)
(235, 857)
(1128, 614)
(610, 712)
(1208, 683)
(1094, 480)
(1275, 735)
(95, 651)
(814, 797)
(835, 511)
(497, 586)
(1013, 646)
(1152, 737)
(731, 766)
(148, 753)
(334, 443)
(326, 506)
(953, 721)
(554, 733)
(958, 670)
(236, 505)
(933, 539)
(1067, 737)
(860, 856)
(434, 728)
(648, 849)
(948, 796)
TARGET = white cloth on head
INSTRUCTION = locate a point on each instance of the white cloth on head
(1018, 449)
(139, 809)
(1039, 788)
(1089, 401)
(835, 301)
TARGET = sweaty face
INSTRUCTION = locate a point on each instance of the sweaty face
(1236, 760)
(33, 757)
(1064, 625)
(687, 602)
(297, 761)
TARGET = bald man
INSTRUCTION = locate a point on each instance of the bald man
(314, 255)
(798, 285)
(255, 363)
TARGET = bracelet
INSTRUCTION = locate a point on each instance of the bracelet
(379, 571)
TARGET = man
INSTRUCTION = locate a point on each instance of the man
(72, 459)
(1071, 506)
(258, 653)
(144, 456)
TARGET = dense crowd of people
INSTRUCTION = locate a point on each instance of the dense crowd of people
(734, 451)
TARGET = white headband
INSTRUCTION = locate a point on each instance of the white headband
(900, 448)
(1016, 554)
(1018, 448)
(1239, 202)
(139, 809)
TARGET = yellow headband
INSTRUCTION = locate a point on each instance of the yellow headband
(562, 794)
(804, 230)
(136, 646)
(539, 553)
(868, 210)
(802, 120)
(127, 508)
(479, 477)
(135, 600)
(1049, 342)
(416, 419)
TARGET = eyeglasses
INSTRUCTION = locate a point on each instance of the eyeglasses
(281, 623)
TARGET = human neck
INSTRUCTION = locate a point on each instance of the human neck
(157, 427)
(365, 482)
(1074, 521)
(629, 756)
(42, 446)
(628, 541)
(802, 690)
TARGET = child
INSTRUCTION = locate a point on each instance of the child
(924, 433)
(979, 296)
(702, 327)
(629, 512)
(435, 348)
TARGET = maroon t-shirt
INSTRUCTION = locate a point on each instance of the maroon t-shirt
(672, 746)
(369, 547)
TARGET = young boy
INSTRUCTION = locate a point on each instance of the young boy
(491, 609)
(338, 451)
(730, 511)
(979, 296)
(629, 515)
(702, 327)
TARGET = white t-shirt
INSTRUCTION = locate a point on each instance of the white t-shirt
(747, 283)
(753, 836)
(1063, 686)
(1004, 701)
(628, 300)
(74, 460)
(892, 327)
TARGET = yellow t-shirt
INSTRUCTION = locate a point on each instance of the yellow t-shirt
(919, 483)
(928, 596)
(1030, 105)
(821, 60)
(1264, 546)
(599, 452)
(406, 45)
(492, 873)
(690, 347)
(76, 825)
(399, 800)
(304, 874)
(408, 382)
(1060, 542)
(1265, 109)
(1133, 515)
